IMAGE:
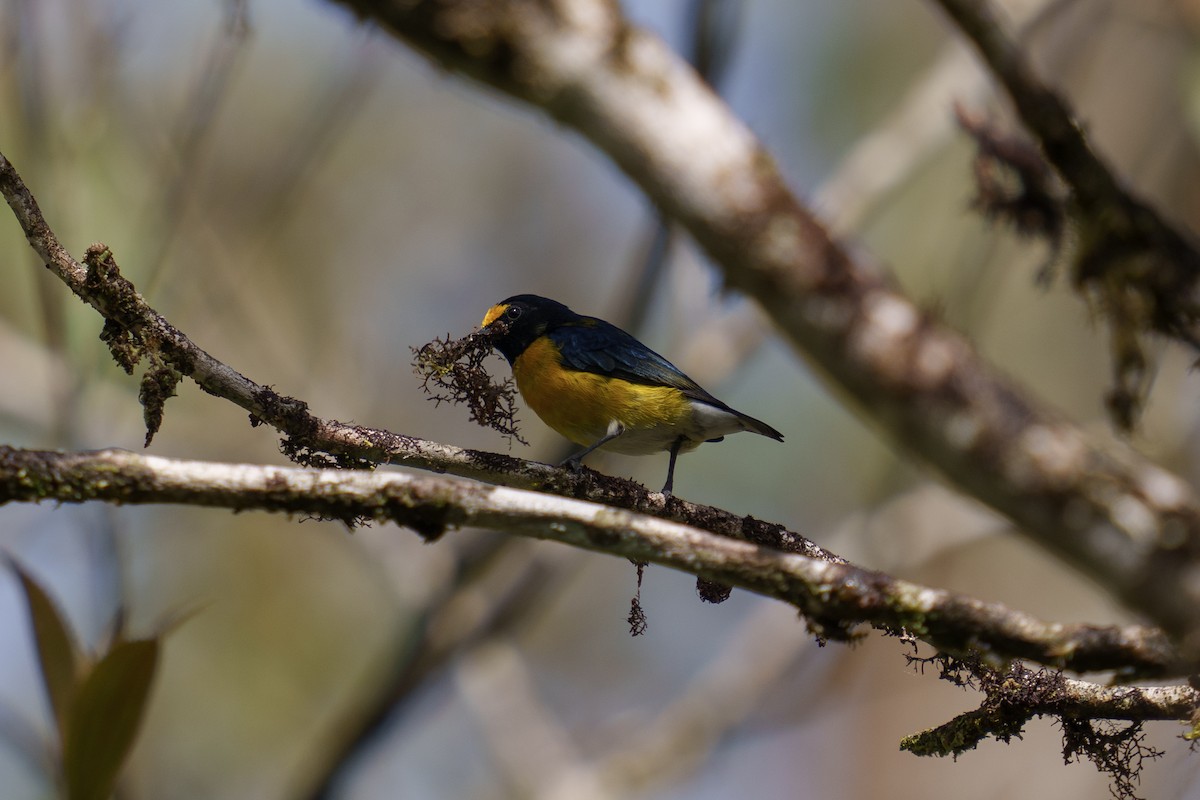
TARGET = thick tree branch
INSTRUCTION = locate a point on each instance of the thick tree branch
(1098, 192)
(1142, 269)
(1132, 526)
(1047, 116)
(834, 597)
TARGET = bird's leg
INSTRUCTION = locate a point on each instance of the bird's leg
(615, 429)
(666, 490)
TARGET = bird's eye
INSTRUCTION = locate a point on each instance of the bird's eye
(512, 313)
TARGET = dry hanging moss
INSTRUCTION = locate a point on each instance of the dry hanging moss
(452, 371)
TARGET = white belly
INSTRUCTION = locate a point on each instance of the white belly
(707, 422)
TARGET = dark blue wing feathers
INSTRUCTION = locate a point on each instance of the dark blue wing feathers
(593, 345)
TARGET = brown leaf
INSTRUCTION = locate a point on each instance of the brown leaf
(105, 718)
(58, 652)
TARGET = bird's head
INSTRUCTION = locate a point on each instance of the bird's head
(514, 323)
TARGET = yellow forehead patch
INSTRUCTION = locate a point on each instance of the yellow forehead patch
(493, 314)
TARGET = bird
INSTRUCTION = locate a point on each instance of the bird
(600, 387)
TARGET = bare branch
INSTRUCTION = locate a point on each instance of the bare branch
(542, 762)
(751, 666)
(834, 597)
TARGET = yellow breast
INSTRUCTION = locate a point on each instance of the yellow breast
(581, 405)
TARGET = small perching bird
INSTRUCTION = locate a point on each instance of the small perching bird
(599, 387)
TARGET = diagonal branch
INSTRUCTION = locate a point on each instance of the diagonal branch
(1045, 114)
(1143, 270)
(1129, 524)
(1098, 192)
(834, 597)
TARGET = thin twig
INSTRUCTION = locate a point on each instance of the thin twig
(197, 120)
(1018, 694)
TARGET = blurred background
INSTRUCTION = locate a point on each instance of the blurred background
(307, 199)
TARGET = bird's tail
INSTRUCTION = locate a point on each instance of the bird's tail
(760, 427)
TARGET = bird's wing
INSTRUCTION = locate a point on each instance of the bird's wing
(593, 345)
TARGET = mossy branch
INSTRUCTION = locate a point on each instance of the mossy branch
(834, 597)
